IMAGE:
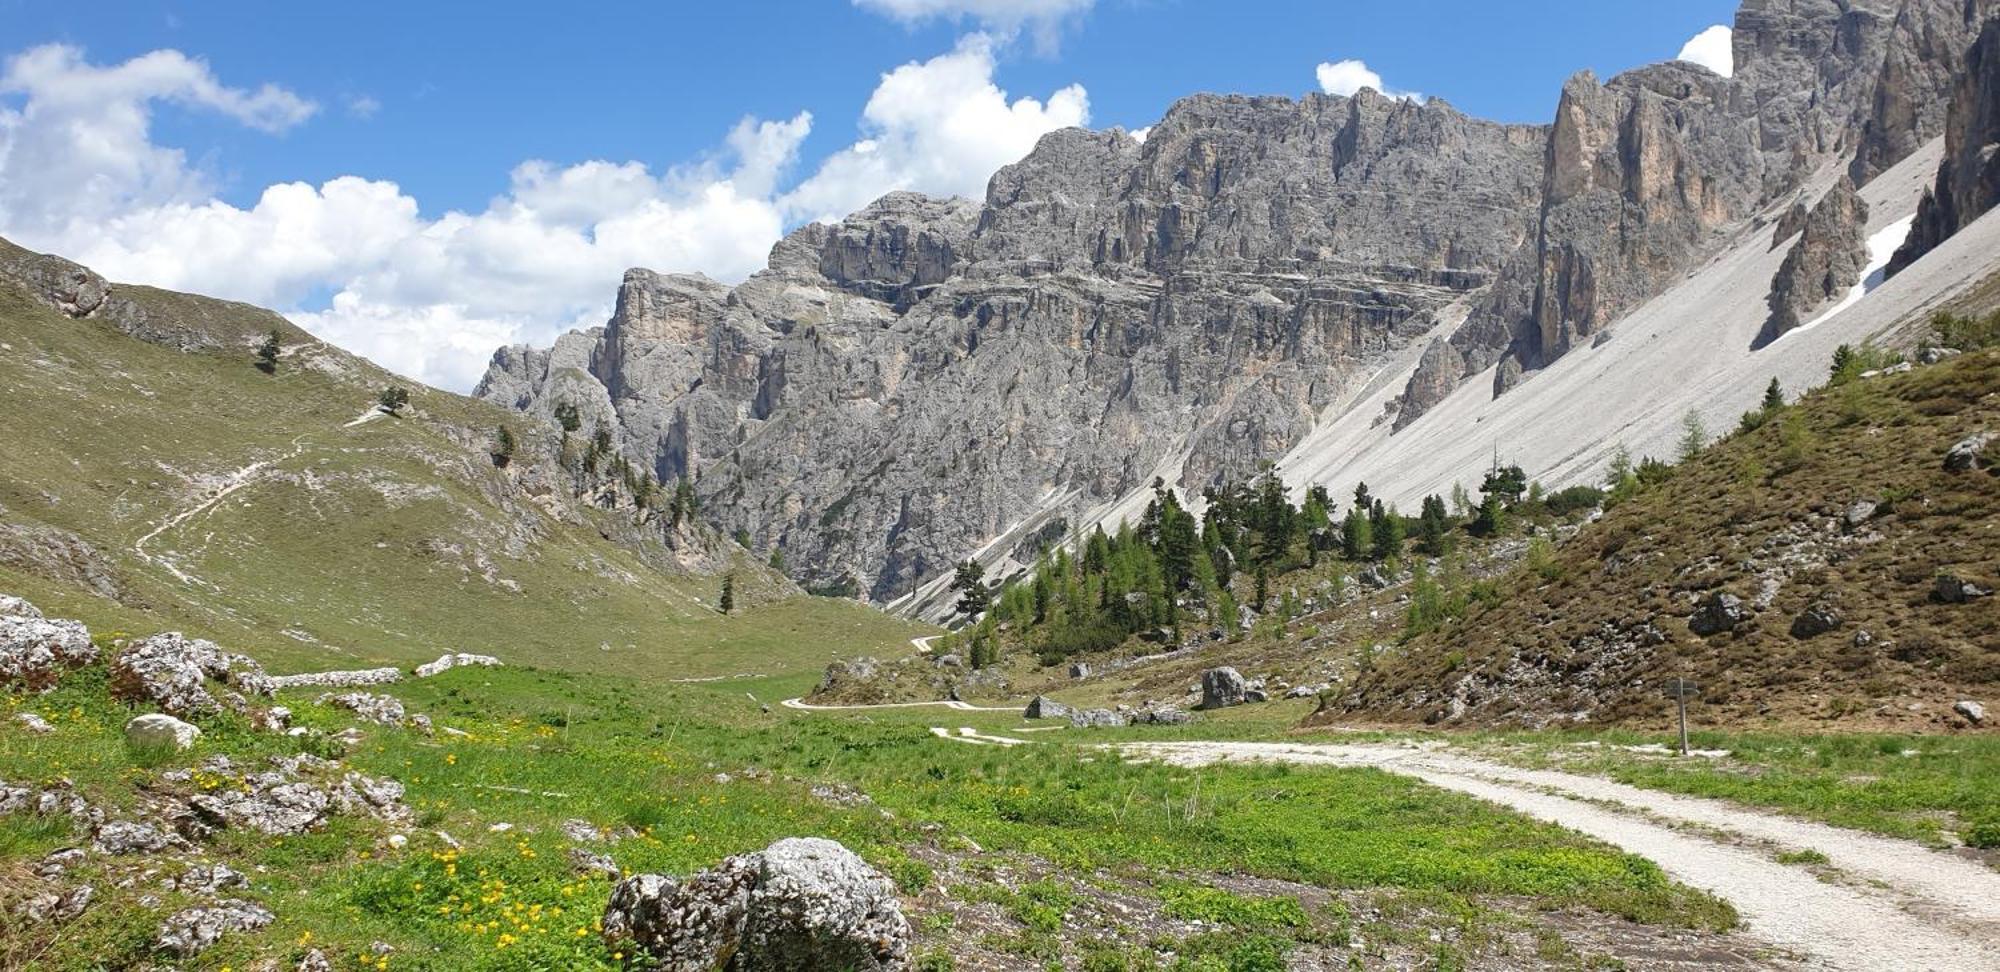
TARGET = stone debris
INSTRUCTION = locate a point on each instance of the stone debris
(1043, 707)
(1719, 612)
(450, 661)
(1969, 455)
(121, 837)
(1953, 589)
(56, 908)
(346, 679)
(191, 932)
(802, 903)
(172, 671)
(1222, 688)
(36, 651)
(1970, 711)
(34, 723)
(157, 730)
(381, 709)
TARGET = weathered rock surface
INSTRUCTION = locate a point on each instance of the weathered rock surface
(1823, 265)
(36, 651)
(802, 903)
(15, 607)
(1970, 711)
(1968, 180)
(1222, 687)
(156, 730)
(453, 660)
(191, 932)
(367, 706)
(1817, 619)
(1095, 719)
(1718, 613)
(342, 679)
(172, 671)
(297, 794)
(1953, 589)
(1969, 454)
(1043, 707)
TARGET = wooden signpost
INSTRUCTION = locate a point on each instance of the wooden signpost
(1680, 690)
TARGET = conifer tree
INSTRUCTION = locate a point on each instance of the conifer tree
(1357, 535)
(727, 602)
(1389, 536)
(267, 353)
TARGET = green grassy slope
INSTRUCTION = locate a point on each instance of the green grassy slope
(387, 541)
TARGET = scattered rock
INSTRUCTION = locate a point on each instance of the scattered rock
(35, 651)
(839, 795)
(1818, 619)
(126, 837)
(1859, 513)
(1719, 612)
(315, 961)
(172, 671)
(1931, 356)
(55, 908)
(207, 879)
(1222, 688)
(1969, 454)
(581, 830)
(1256, 695)
(381, 709)
(588, 862)
(190, 932)
(1078, 670)
(1970, 711)
(34, 723)
(1953, 589)
(802, 903)
(284, 801)
(1043, 707)
(350, 679)
(1095, 719)
(57, 864)
(14, 607)
(277, 718)
(447, 662)
(1162, 717)
(157, 730)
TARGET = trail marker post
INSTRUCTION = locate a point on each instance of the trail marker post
(1680, 690)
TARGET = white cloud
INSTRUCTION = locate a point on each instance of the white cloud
(940, 126)
(363, 107)
(1045, 18)
(432, 297)
(1344, 78)
(1712, 49)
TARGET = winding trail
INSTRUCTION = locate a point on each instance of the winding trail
(219, 492)
(1881, 904)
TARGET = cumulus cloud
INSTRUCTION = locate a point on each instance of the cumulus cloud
(1347, 77)
(356, 261)
(363, 107)
(941, 126)
(1712, 49)
(1045, 18)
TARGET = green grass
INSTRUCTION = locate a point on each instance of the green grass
(547, 746)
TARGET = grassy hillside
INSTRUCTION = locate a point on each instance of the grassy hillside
(147, 488)
(1763, 516)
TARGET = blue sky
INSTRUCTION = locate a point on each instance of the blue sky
(431, 109)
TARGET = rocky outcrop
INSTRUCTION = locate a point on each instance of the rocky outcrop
(1968, 180)
(1222, 688)
(191, 932)
(802, 903)
(1719, 613)
(338, 679)
(36, 651)
(927, 375)
(1924, 58)
(448, 662)
(1823, 265)
(173, 672)
(1969, 453)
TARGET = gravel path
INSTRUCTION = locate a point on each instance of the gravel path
(1885, 903)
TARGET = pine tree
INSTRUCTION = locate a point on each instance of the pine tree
(683, 506)
(503, 446)
(728, 600)
(1843, 365)
(1507, 482)
(1389, 536)
(567, 417)
(1774, 397)
(1434, 528)
(267, 353)
(1263, 589)
(1357, 535)
(1492, 518)
(777, 561)
(969, 580)
(393, 398)
(1694, 435)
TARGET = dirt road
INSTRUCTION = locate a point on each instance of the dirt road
(1880, 903)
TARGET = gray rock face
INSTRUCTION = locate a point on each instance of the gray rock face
(896, 389)
(1953, 589)
(1970, 711)
(1819, 618)
(1968, 180)
(1969, 453)
(802, 903)
(1043, 707)
(36, 651)
(1718, 613)
(172, 671)
(1222, 688)
(1095, 719)
(1924, 59)
(14, 607)
(156, 730)
(380, 709)
(191, 932)
(1823, 265)
(930, 377)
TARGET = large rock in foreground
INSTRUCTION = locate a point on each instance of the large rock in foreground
(802, 903)
(172, 671)
(35, 651)
(1222, 688)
